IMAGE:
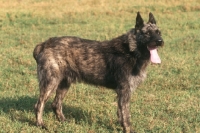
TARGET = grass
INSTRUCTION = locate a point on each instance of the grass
(169, 99)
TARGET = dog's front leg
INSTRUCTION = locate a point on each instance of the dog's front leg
(123, 112)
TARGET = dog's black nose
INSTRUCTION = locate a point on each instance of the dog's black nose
(159, 42)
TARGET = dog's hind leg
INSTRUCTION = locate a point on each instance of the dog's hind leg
(124, 95)
(57, 103)
(49, 79)
(45, 92)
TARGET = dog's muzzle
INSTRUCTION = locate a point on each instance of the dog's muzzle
(159, 42)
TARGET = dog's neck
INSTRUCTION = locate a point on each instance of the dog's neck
(129, 44)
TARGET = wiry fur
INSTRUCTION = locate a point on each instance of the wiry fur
(118, 64)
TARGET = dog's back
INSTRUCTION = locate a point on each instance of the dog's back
(72, 58)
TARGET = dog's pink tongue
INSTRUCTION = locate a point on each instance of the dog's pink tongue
(154, 56)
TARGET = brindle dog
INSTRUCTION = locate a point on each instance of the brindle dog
(118, 64)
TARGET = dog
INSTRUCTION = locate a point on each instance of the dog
(118, 64)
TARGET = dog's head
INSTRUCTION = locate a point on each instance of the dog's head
(148, 34)
(145, 37)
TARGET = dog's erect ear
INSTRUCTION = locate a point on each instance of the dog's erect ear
(151, 18)
(139, 22)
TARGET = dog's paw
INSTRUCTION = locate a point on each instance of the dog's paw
(42, 126)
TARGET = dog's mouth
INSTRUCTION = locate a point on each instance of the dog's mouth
(152, 47)
(154, 54)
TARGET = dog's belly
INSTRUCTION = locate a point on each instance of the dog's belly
(97, 73)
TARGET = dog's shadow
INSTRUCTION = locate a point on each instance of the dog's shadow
(17, 109)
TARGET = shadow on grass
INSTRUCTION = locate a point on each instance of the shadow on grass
(19, 109)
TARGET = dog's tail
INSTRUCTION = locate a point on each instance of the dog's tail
(37, 51)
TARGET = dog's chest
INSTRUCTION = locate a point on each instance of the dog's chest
(134, 81)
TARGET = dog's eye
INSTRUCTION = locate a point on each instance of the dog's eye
(158, 32)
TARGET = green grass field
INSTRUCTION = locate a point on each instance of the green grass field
(167, 102)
